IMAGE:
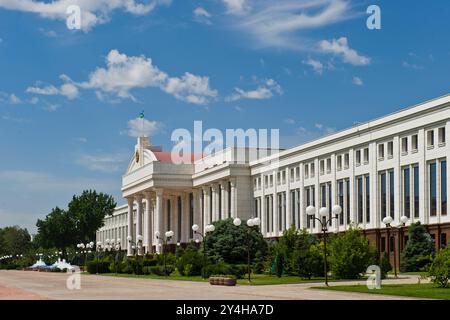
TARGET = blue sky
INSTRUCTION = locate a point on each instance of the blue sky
(307, 67)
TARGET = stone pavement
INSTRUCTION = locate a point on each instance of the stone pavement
(47, 285)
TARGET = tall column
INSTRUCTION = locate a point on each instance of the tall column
(197, 209)
(174, 217)
(206, 217)
(214, 202)
(263, 216)
(223, 200)
(139, 212)
(130, 225)
(233, 199)
(158, 217)
(226, 210)
(148, 222)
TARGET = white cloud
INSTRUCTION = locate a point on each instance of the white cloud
(68, 90)
(236, 7)
(315, 64)
(264, 91)
(357, 81)
(412, 66)
(278, 23)
(289, 121)
(93, 12)
(341, 48)
(139, 127)
(124, 73)
(13, 99)
(105, 163)
(202, 16)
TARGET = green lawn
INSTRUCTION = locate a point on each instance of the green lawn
(426, 290)
(258, 279)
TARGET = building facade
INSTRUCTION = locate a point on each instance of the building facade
(392, 166)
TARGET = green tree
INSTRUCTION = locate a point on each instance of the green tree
(57, 230)
(228, 243)
(88, 210)
(418, 249)
(440, 268)
(14, 240)
(385, 265)
(351, 254)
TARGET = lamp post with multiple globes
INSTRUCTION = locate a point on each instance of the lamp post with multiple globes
(324, 222)
(85, 248)
(253, 222)
(167, 237)
(208, 228)
(388, 222)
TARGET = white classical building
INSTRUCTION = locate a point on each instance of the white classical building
(391, 166)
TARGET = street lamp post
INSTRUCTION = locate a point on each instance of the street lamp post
(136, 246)
(208, 228)
(167, 237)
(323, 213)
(86, 248)
(388, 222)
(250, 224)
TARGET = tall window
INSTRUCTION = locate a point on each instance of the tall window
(347, 182)
(416, 191)
(330, 197)
(310, 201)
(168, 215)
(341, 201)
(433, 191)
(359, 186)
(179, 213)
(267, 209)
(220, 202)
(367, 178)
(406, 193)
(293, 206)
(280, 211)
(443, 187)
(210, 205)
(391, 194)
(383, 191)
(191, 214)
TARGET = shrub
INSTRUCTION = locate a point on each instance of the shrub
(159, 270)
(440, 268)
(98, 266)
(194, 259)
(146, 270)
(385, 265)
(217, 268)
(279, 264)
(228, 243)
(351, 254)
(418, 249)
(309, 261)
(132, 265)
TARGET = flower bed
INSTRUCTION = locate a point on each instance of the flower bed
(222, 280)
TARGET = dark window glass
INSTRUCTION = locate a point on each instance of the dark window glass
(220, 202)
(229, 199)
(391, 244)
(383, 244)
(433, 193)
(179, 214)
(367, 199)
(407, 193)
(443, 240)
(416, 191)
(391, 194)
(267, 214)
(341, 201)
(191, 215)
(324, 195)
(360, 199)
(308, 203)
(280, 212)
(348, 200)
(330, 196)
(444, 188)
(293, 205)
(383, 195)
(168, 215)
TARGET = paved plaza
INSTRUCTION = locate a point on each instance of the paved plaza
(29, 285)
